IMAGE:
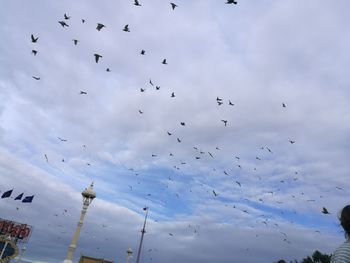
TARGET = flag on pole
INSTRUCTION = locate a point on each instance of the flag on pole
(19, 197)
(7, 194)
(28, 199)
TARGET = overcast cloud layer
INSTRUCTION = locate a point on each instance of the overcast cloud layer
(236, 193)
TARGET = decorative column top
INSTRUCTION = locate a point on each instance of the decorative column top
(88, 192)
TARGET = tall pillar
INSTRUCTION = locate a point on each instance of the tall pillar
(88, 195)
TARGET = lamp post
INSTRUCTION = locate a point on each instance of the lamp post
(88, 195)
(129, 255)
(143, 231)
(23, 249)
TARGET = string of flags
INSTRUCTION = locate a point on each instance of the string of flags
(26, 199)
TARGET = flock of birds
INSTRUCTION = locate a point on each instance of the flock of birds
(199, 153)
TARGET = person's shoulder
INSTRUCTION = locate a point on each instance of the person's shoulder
(342, 253)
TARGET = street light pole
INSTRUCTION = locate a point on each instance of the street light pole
(88, 195)
(143, 231)
(129, 255)
(23, 249)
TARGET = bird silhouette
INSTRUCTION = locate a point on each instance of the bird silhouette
(178, 140)
(143, 52)
(225, 122)
(169, 133)
(231, 2)
(36, 78)
(230, 103)
(292, 142)
(66, 17)
(97, 57)
(136, 3)
(284, 105)
(157, 87)
(150, 82)
(126, 28)
(215, 194)
(47, 159)
(62, 140)
(173, 95)
(75, 41)
(34, 52)
(141, 112)
(173, 6)
(34, 40)
(83, 21)
(325, 211)
(182, 123)
(108, 69)
(63, 24)
(238, 183)
(164, 62)
(142, 90)
(99, 26)
(83, 92)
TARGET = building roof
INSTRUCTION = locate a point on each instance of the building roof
(85, 259)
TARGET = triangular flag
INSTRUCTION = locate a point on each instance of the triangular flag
(19, 197)
(7, 194)
(28, 199)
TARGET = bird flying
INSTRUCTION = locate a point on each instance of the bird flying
(97, 57)
(325, 211)
(173, 6)
(99, 26)
(126, 28)
(63, 24)
(34, 40)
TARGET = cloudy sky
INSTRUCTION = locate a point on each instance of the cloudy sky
(216, 192)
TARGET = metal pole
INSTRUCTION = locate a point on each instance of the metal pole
(20, 255)
(143, 231)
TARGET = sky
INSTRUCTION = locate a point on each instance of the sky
(261, 88)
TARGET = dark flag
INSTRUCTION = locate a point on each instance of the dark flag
(19, 197)
(28, 199)
(7, 194)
